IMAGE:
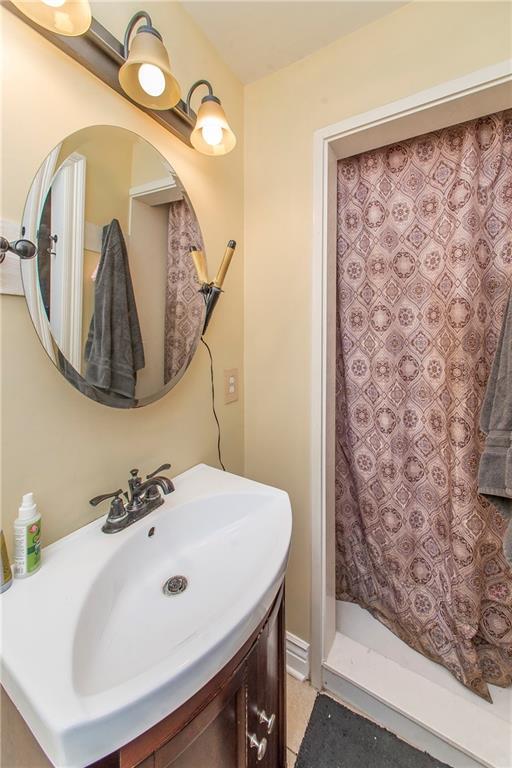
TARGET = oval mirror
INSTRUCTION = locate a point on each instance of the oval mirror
(113, 292)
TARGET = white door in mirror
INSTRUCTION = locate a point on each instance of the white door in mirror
(66, 256)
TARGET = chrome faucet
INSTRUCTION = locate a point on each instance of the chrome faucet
(143, 498)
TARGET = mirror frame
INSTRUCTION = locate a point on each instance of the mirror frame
(41, 185)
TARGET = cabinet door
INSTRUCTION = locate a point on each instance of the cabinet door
(265, 696)
(208, 736)
(220, 745)
(211, 729)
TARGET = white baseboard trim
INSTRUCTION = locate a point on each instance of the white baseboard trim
(297, 657)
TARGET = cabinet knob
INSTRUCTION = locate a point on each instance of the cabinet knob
(269, 721)
(261, 746)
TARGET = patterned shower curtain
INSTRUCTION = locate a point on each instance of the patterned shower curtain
(424, 268)
(184, 307)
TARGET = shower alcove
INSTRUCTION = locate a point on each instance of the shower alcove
(351, 653)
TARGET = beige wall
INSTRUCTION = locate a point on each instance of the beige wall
(55, 442)
(418, 46)
(146, 165)
(108, 171)
(67, 448)
(148, 235)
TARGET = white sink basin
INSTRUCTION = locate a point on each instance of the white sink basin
(94, 653)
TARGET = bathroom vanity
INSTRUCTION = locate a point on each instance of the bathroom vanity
(236, 721)
(130, 673)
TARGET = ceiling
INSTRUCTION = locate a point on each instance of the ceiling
(256, 38)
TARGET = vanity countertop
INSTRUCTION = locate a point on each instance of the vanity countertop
(94, 653)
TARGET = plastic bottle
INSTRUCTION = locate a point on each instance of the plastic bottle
(27, 538)
(6, 580)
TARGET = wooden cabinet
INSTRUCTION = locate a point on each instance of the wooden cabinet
(243, 705)
(265, 696)
(213, 729)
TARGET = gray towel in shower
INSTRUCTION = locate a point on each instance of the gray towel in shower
(114, 351)
(495, 471)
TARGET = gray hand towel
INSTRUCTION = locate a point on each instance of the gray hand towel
(495, 471)
(114, 351)
(94, 393)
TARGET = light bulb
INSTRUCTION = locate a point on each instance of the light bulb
(54, 3)
(212, 132)
(151, 79)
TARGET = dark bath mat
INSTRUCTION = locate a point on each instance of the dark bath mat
(338, 738)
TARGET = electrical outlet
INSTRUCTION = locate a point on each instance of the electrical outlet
(231, 385)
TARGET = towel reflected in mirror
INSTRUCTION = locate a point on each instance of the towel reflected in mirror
(114, 350)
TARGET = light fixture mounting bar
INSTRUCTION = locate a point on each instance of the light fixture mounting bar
(102, 54)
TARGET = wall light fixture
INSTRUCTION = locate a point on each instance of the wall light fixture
(146, 75)
(65, 17)
(138, 68)
(212, 134)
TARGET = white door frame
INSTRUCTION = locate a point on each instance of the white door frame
(479, 93)
(73, 170)
(68, 222)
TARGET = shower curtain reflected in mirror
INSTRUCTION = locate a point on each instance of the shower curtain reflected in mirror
(424, 269)
(184, 305)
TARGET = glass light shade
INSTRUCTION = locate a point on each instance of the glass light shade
(212, 134)
(148, 49)
(64, 17)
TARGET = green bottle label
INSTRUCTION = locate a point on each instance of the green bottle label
(6, 566)
(33, 546)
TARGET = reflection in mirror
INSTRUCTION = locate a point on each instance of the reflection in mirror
(113, 293)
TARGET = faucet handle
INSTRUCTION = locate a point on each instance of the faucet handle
(98, 499)
(164, 466)
(135, 481)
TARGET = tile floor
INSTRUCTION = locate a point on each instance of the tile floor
(300, 698)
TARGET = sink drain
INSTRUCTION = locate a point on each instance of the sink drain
(175, 586)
